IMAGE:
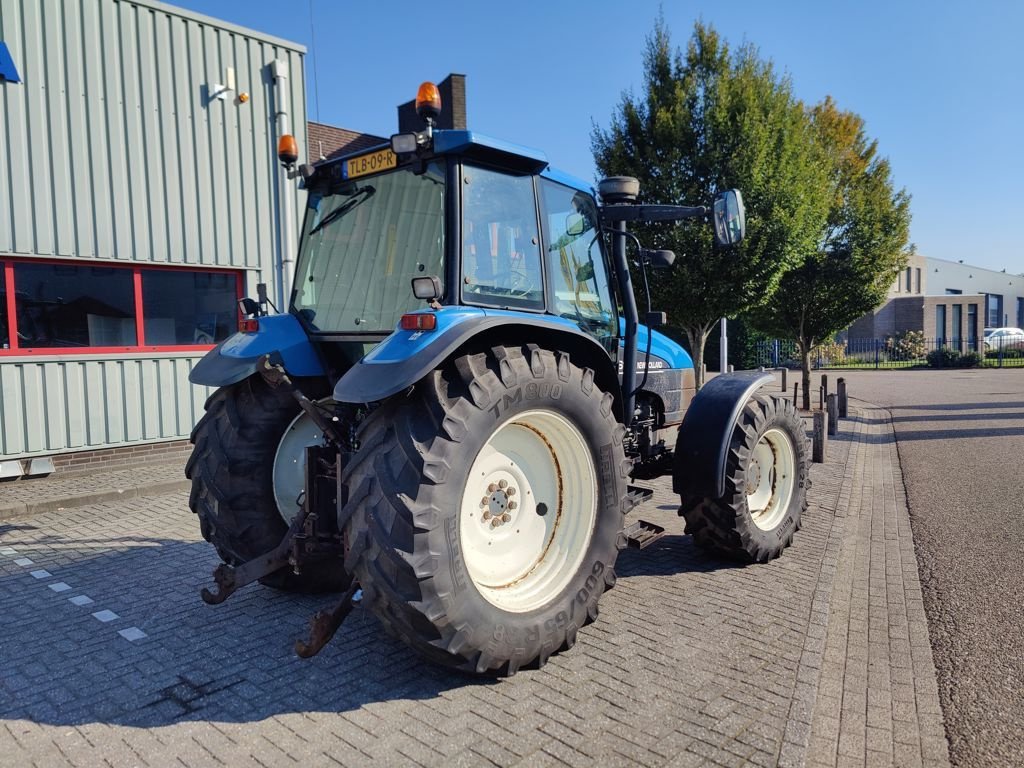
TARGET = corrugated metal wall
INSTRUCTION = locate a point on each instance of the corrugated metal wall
(55, 405)
(111, 148)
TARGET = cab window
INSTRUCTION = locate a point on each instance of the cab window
(576, 268)
(500, 244)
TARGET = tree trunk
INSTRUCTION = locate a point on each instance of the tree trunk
(697, 338)
(805, 370)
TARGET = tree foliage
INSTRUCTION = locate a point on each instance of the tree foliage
(862, 244)
(709, 120)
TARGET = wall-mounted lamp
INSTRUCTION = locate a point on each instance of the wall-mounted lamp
(221, 90)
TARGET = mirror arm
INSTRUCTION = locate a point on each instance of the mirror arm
(614, 213)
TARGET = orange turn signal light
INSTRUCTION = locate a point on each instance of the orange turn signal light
(287, 149)
(250, 325)
(419, 321)
(428, 101)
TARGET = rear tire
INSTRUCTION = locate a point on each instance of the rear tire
(436, 568)
(765, 486)
(231, 468)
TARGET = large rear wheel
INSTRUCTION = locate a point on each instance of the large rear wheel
(486, 509)
(247, 470)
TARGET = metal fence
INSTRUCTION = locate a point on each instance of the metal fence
(895, 353)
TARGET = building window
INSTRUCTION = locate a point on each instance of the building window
(5, 338)
(917, 280)
(972, 326)
(66, 305)
(908, 279)
(953, 292)
(993, 310)
(51, 307)
(185, 308)
(940, 325)
(957, 318)
(1020, 312)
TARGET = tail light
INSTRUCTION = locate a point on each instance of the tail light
(419, 321)
(249, 325)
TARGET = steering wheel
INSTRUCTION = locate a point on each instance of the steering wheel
(520, 283)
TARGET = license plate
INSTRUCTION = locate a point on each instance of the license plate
(372, 162)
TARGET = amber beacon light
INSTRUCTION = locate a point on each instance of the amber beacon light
(428, 101)
(287, 150)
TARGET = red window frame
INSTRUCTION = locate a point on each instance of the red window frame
(7, 265)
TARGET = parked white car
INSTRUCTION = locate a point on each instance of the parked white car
(1004, 338)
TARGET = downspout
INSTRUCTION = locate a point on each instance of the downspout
(279, 71)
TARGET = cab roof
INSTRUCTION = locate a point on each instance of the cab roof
(477, 146)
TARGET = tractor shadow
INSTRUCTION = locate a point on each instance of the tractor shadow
(230, 663)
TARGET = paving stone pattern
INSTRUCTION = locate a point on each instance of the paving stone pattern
(878, 701)
(694, 661)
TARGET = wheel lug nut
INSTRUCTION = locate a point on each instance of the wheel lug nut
(503, 484)
(487, 516)
(511, 490)
(483, 501)
(506, 517)
(492, 488)
(495, 522)
(512, 505)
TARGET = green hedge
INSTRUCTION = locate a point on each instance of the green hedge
(950, 358)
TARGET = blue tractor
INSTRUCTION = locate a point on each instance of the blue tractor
(446, 423)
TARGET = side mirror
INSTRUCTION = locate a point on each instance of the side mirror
(730, 217)
(658, 259)
(426, 288)
(656, 319)
(575, 225)
(248, 307)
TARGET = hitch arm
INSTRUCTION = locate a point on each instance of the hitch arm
(325, 623)
(276, 376)
(229, 579)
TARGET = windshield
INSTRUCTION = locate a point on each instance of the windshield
(362, 244)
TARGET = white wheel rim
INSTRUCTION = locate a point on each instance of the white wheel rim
(289, 472)
(771, 478)
(518, 558)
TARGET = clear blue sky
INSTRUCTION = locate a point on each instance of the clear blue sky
(940, 85)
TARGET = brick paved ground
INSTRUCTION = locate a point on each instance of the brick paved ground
(693, 661)
(878, 700)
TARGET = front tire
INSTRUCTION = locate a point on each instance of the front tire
(486, 508)
(232, 468)
(765, 486)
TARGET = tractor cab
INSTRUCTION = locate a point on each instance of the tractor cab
(394, 234)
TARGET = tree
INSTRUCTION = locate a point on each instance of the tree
(862, 242)
(707, 121)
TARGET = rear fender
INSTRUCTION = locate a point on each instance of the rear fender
(702, 446)
(236, 358)
(405, 357)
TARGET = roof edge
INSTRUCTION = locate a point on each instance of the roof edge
(184, 13)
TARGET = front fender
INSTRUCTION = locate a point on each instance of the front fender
(702, 446)
(405, 357)
(280, 336)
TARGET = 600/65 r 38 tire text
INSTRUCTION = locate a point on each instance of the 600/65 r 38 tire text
(486, 509)
(248, 455)
(765, 486)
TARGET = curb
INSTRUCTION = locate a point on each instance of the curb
(15, 511)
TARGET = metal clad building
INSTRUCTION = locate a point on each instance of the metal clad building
(140, 196)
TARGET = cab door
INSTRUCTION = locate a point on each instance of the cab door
(575, 263)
